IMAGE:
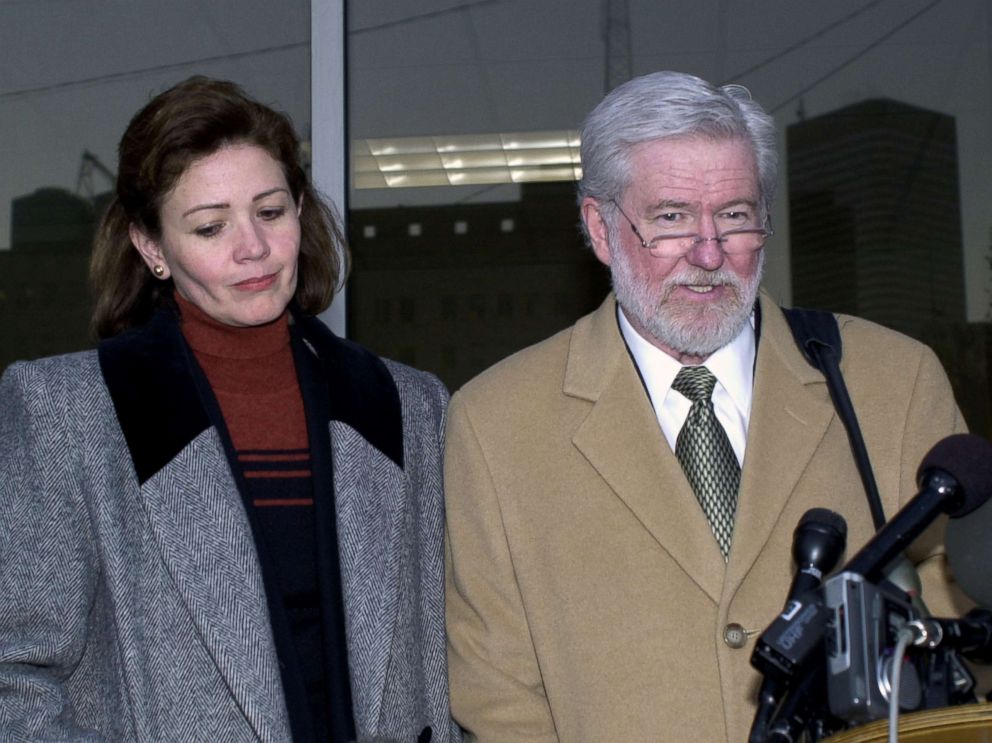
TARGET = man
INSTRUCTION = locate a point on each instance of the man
(601, 585)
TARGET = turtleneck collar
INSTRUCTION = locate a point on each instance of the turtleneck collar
(209, 336)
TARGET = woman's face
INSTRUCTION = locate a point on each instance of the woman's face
(230, 237)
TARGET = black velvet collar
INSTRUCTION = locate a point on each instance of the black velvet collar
(148, 372)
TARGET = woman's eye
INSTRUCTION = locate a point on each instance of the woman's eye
(272, 212)
(208, 230)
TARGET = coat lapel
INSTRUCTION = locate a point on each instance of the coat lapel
(196, 515)
(789, 418)
(623, 442)
(369, 501)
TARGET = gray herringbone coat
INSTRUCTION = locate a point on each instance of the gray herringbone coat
(132, 606)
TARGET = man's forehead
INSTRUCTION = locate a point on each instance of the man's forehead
(693, 153)
(688, 166)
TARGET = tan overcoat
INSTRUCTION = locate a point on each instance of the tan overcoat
(587, 598)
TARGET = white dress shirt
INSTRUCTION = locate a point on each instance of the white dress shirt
(733, 367)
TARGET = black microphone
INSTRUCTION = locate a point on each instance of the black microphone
(817, 544)
(797, 708)
(955, 477)
(949, 681)
(971, 635)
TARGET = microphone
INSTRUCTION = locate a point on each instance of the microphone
(955, 477)
(785, 645)
(949, 682)
(971, 635)
(969, 553)
(817, 544)
(904, 576)
(797, 709)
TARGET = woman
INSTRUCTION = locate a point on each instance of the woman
(225, 524)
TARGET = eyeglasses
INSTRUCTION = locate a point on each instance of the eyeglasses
(747, 238)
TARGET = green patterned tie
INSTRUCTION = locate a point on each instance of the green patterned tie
(706, 455)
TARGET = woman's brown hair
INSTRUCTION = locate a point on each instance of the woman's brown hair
(189, 121)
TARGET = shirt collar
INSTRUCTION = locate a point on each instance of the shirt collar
(732, 365)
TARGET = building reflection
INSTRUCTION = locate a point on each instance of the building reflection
(44, 298)
(875, 230)
(453, 289)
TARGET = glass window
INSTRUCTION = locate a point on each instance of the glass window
(468, 111)
(74, 72)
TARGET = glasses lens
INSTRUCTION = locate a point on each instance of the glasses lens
(732, 242)
(743, 241)
(672, 246)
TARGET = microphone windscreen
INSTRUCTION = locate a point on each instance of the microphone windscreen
(968, 459)
(825, 518)
(969, 552)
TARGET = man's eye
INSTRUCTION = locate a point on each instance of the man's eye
(736, 216)
(670, 217)
(271, 212)
(209, 230)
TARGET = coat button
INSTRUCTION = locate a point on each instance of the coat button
(735, 635)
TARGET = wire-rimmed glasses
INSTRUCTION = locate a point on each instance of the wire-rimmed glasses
(747, 238)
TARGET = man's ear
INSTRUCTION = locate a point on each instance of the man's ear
(150, 251)
(592, 217)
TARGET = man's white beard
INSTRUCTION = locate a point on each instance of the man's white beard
(695, 329)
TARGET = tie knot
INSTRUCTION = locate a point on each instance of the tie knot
(695, 382)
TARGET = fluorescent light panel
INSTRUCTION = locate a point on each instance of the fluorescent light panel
(467, 159)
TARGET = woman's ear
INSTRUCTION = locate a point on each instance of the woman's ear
(150, 251)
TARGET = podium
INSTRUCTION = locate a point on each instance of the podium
(968, 723)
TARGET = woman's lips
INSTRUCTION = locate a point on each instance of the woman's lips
(257, 283)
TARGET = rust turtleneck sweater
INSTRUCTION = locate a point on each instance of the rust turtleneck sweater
(253, 377)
